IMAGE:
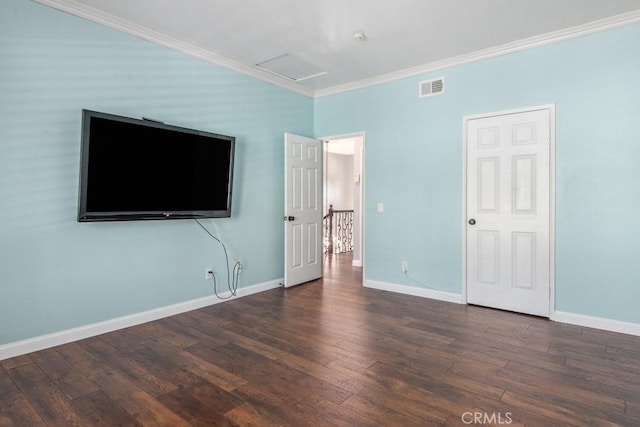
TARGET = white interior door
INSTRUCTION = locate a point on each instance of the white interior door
(302, 209)
(508, 211)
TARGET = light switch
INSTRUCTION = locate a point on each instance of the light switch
(356, 178)
(380, 207)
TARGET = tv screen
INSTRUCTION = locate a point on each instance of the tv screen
(135, 169)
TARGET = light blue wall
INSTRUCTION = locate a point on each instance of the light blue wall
(413, 155)
(56, 273)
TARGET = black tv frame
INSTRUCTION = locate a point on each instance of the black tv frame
(86, 216)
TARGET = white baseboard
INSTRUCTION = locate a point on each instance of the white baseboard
(558, 316)
(412, 290)
(597, 323)
(19, 348)
(356, 263)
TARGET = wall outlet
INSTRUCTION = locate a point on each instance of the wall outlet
(208, 273)
(405, 266)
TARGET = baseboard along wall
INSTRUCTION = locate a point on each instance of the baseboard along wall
(557, 316)
(42, 342)
(19, 348)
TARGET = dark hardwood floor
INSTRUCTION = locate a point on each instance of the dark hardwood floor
(331, 353)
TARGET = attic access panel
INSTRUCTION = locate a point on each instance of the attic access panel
(291, 68)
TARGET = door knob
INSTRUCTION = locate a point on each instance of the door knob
(472, 221)
(289, 218)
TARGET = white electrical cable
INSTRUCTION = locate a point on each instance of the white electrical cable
(232, 279)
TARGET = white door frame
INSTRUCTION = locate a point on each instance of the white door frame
(552, 195)
(363, 183)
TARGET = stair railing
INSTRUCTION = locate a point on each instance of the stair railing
(338, 231)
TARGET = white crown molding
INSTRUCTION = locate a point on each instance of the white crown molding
(78, 9)
(415, 291)
(19, 348)
(528, 43)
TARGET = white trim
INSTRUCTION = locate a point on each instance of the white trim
(597, 323)
(464, 209)
(511, 111)
(557, 316)
(343, 136)
(361, 262)
(412, 290)
(363, 186)
(516, 46)
(77, 8)
(552, 209)
(552, 195)
(19, 348)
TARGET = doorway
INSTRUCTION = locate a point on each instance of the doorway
(509, 193)
(343, 216)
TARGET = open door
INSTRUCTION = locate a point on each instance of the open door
(302, 209)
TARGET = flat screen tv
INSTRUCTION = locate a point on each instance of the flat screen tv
(139, 169)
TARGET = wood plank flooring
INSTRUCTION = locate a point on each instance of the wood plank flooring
(331, 353)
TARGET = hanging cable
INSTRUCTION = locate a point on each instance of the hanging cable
(232, 278)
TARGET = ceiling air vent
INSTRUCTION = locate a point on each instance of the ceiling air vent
(432, 87)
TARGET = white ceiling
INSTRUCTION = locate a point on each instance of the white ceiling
(402, 36)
